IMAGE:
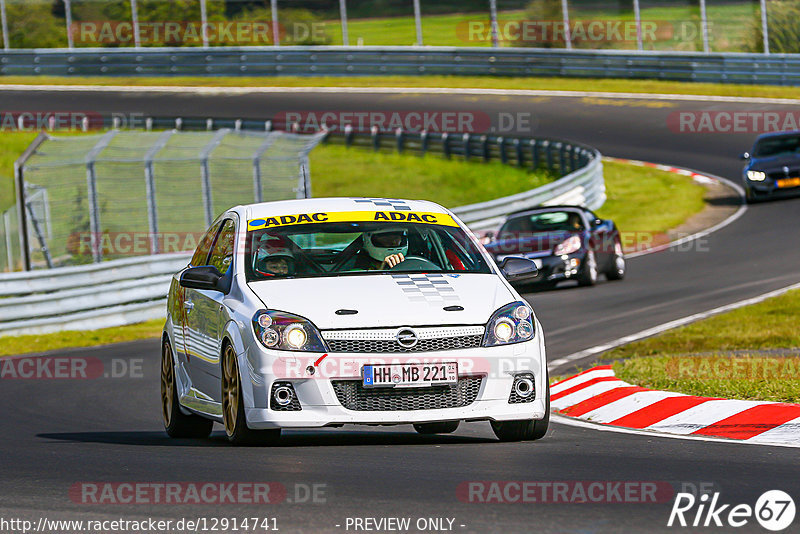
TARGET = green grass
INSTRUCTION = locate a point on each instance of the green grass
(12, 345)
(695, 359)
(643, 87)
(633, 206)
(13, 144)
(340, 171)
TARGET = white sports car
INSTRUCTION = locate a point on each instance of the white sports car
(334, 311)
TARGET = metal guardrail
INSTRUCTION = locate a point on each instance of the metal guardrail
(88, 297)
(773, 69)
(132, 290)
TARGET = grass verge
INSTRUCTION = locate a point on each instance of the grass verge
(13, 345)
(468, 82)
(724, 356)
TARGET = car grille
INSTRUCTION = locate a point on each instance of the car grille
(424, 345)
(385, 340)
(354, 396)
(779, 175)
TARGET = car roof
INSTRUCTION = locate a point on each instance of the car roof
(342, 204)
(791, 133)
(540, 209)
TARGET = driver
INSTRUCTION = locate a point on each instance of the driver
(382, 249)
(277, 262)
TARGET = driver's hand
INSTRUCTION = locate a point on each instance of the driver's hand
(391, 261)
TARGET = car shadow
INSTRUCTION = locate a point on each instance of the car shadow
(291, 438)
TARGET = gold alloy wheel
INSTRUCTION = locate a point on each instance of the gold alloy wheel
(230, 390)
(167, 384)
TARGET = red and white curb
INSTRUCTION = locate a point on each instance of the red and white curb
(597, 395)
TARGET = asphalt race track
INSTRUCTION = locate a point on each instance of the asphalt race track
(62, 433)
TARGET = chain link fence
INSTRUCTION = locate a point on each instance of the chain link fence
(120, 194)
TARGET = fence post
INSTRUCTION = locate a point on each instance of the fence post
(423, 142)
(398, 134)
(501, 145)
(764, 26)
(534, 155)
(204, 22)
(704, 25)
(4, 23)
(446, 145)
(205, 174)
(19, 174)
(567, 30)
(343, 16)
(487, 155)
(376, 140)
(40, 236)
(562, 161)
(548, 154)
(9, 252)
(94, 204)
(465, 140)
(637, 15)
(520, 157)
(417, 22)
(150, 188)
(257, 189)
(276, 34)
(493, 17)
(68, 15)
(135, 19)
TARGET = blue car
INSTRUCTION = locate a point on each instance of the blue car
(773, 167)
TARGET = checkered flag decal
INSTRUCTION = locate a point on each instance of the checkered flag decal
(430, 288)
(395, 204)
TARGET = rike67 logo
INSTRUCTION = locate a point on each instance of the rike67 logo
(774, 510)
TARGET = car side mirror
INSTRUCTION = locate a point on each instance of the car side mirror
(517, 269)
(745, 156)
(204, 277)
(489, 235)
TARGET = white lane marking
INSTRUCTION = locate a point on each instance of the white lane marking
(668, 326)
(212, 90)
(580, 379)
(788, 432)
(627, 405)
(586, 393)
(702, 415)
(580, 423)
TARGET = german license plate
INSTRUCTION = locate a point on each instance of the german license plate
(410, 374)
(788, 182)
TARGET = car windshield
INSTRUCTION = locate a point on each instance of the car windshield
(542, 222)
(359, 248)
(777, 146)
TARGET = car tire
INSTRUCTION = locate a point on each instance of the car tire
(233, 415)
(588, 275)
(526, 429)
(444, 427)
(176, 423)
(616, 271)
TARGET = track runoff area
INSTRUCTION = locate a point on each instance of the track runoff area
(578, 477)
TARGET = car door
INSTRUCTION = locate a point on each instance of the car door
(204, 312)
(600, 235)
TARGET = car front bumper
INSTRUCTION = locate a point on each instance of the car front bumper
(496, 367)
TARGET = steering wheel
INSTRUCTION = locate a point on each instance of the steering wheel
(416, 263)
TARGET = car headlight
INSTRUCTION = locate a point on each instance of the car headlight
(285, 331)
(513, 323)
(756, 176)
(568, 246)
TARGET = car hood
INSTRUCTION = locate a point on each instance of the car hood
(528, 243)
(385, 300)
(775, 163)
